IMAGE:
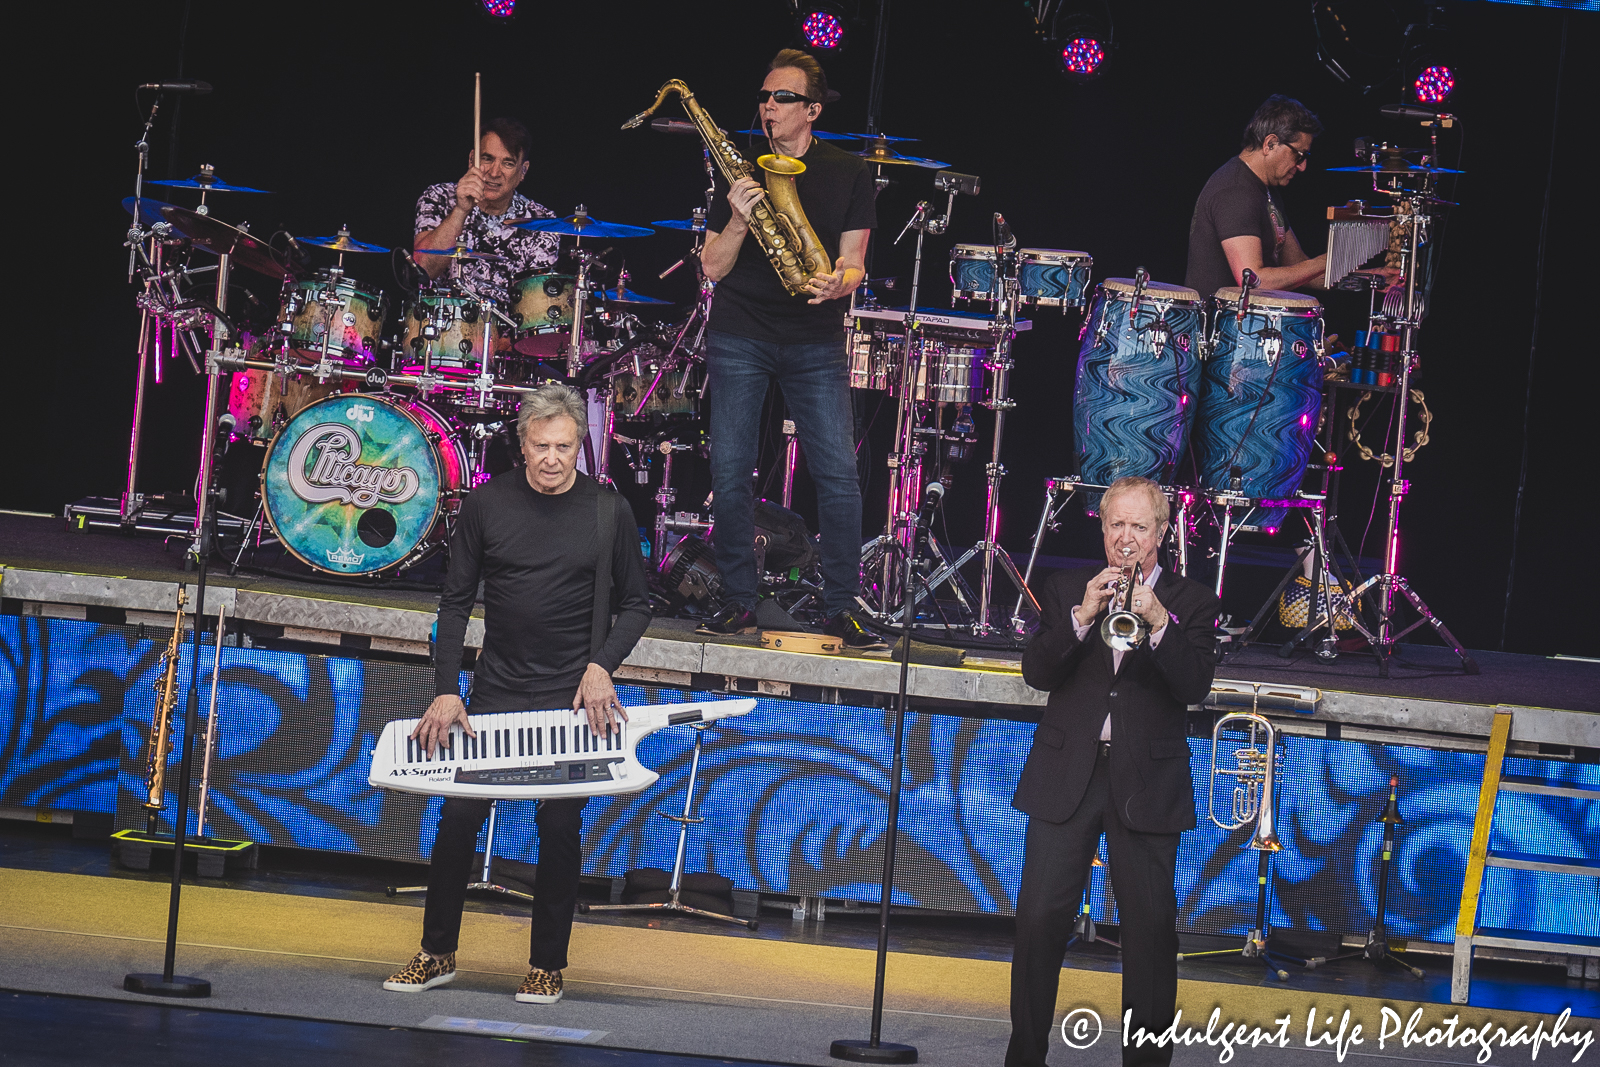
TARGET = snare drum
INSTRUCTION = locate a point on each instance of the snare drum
(1261, 396)
(359, 484)
(330, 306)
(1138, 378)
(450, 331)
(1053, 277)
(541, 306)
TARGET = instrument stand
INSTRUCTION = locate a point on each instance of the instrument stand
(1385, 635)
(1084, 929)
(1376, 950)
(875, 1049)
(487, 884)
(1320, 610)
(673, 904)
(1258, 942)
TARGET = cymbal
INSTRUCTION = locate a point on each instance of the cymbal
(149, 210)
(222, 239)
(821, 135)
(680, 224)
(581, 225)
(215, 185)
(460, 252)
(880, 152)
(880, 136)
(341, 242)
(628, 296)
(1379, 168)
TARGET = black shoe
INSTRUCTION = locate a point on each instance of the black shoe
(733, 619)
(848, 629)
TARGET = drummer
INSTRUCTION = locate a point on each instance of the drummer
(476, 210)
(1238, 223)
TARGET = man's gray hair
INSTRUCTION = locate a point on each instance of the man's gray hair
(1282, 117)
(1158, 499)
(549, 401)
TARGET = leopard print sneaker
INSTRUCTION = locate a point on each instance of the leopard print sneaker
(540, 987)
(424, 972)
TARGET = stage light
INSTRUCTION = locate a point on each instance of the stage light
(500, 9)
(1434, 85)
(1082, 56)
(822, 28)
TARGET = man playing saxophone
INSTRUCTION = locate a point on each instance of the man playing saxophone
(759, 332)
(1110, 756)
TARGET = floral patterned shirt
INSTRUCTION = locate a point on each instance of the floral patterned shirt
(486, 233)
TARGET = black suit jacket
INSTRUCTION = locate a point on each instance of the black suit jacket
(1147, 700)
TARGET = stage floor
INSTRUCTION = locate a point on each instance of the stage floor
(296, 951)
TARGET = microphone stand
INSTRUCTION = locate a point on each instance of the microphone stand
(875, 1049)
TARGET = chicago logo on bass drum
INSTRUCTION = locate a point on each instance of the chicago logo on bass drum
(335, 476)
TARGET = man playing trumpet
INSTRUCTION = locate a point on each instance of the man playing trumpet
(1110, 755)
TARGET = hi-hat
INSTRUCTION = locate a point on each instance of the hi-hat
(341, 242)
(210, 184)
(880, 137)
(460, 252)
(581, 225)
(214, 236)
(628, 296)
(880, 152)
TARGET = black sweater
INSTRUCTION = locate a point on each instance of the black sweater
(536, 556)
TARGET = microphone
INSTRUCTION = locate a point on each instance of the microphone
(1408, 111)
(198, 88)
(931, 497)
(1141, 278)
(1251, 280)
(1003, 237)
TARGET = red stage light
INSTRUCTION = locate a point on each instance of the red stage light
(822, 29)
(500, 9)
(1082, 55)
(1434, 85)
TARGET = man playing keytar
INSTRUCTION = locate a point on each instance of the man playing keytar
(759, 332)
(532, 536)
(1110, 755)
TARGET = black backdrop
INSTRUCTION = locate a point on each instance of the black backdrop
(347, 109)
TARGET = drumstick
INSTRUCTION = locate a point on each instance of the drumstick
(477, 120)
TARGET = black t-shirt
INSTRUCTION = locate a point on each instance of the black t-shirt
(836, 192)
(1234, 203)
(535, 553)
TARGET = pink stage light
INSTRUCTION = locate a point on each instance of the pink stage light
(1434, 85)
(822, 29)
(500, 9)
(1082, 55)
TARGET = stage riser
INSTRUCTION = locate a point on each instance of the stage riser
(793, 794)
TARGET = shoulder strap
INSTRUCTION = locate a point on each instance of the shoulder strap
(605, 525)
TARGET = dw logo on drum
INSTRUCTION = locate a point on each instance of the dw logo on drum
(359, 413)
(377, 378)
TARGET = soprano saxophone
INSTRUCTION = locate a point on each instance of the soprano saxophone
(160, 746)
(781, 226)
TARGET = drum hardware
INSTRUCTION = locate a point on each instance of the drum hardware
(791, 456)
(208, 233)
(1253, 800)
(1122, 629)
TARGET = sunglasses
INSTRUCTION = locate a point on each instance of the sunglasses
(782, 96)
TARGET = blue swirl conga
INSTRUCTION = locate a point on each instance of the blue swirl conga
(1261, 397)
(1138, 378)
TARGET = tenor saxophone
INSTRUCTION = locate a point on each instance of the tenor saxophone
(781, 226)
(160, 746)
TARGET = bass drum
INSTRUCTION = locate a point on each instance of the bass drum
(1261, 398)
(360, 484)
(1138, 378)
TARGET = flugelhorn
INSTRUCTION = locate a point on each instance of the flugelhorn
(160, 745)
(1253, 776)
(1123, 628)
(778, 222)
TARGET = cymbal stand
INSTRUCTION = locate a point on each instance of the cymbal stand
(684, 821)
(221, 331)
(1386, 635)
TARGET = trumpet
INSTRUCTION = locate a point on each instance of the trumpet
(160, 746)
(1254, 775)
(1122, 629)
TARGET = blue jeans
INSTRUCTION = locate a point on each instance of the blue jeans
(816, 387)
